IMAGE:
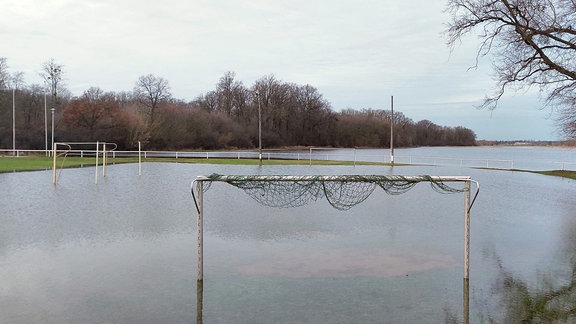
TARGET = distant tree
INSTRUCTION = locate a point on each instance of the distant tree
(208, 102)
(463, 137)
(17, 80)
(52, 74)
(404, 130)
(95, 116)
(428, 133)
(533, 44)
(137, 130)
(4, 74)
(276, 103)
(151, 91)
(230, 95)
(314, 117)
(30, 117)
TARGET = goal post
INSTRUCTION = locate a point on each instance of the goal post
(62, 149)
(341, 191)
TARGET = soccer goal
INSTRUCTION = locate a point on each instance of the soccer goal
(64, 149)
(341, 191)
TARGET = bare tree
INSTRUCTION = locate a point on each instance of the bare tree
(151, 91)
(52, 74)
(17, 80)
(231, 95)
(532, 43)
(4, 75)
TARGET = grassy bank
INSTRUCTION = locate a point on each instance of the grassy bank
(559, 173)
(32, 163)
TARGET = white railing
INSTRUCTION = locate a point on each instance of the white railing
(304, 155)
(571, 165)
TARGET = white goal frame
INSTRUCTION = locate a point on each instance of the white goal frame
(468, 203)
(68, 148)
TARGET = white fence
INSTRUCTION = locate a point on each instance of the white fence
(314, 154)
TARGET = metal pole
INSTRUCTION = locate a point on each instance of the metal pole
(53, 110)
(392, 130)
(199, 301)
(467, 231)
(139, 158)
(466, 301)
(104, 160)
(200, 190)
(14, 121)
(259, 128)
(54, 163)
(96, 173)
(45, 126)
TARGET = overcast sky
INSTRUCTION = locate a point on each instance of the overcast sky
(356, 53)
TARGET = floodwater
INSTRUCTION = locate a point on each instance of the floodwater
(124, 250)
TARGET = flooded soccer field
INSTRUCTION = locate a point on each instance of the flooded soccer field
(124, 250)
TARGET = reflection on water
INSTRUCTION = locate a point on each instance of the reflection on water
(552, 297)
(124, 251)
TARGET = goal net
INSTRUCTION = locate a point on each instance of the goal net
(341, 191)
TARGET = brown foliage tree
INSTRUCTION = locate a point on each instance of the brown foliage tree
(96, 116)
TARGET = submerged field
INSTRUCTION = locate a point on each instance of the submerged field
(124, 250)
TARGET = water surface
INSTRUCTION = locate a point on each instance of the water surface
(124, 251)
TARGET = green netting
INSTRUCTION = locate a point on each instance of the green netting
(342, 192)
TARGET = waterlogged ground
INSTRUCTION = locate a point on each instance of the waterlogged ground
(124, 250)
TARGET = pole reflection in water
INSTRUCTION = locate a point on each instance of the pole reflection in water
(199, 300)
(466, 300)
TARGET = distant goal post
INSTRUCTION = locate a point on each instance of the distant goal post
(62, 149)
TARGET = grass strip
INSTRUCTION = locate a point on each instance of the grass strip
(559, 173)
(32, 163)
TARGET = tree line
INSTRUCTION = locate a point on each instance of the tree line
(227, 117)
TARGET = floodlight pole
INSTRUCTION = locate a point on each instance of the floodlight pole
(14, 121)
(259, 128)
(96, 172)
(45, 126)
(52, 111)
(392, 130)
(53, 162)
